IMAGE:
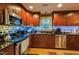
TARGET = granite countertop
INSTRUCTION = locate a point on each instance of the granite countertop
(20, 38)
(57, 34)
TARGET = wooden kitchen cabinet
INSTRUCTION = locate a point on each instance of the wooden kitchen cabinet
(36, 20)
(32, 19)
(42, 41)
(69, 42)
(65, 18)
(8, 50)
(73, 42)
(29, 19)
(22, 14)
(51, 41)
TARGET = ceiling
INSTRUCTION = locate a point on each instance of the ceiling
(50, 7)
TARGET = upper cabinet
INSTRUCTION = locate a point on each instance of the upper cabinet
(29, 19)
(66, 19)
(22, 14)
(36, 20)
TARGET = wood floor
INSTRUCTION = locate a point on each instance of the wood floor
(41, 51)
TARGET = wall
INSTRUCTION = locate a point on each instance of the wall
(66, 18)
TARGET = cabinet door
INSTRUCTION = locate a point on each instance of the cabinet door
(36, 20)
(29, 19)
(40, 41)
(23, 15)
(30, 41)
(62, 18)
(51, 41)
(73, 41)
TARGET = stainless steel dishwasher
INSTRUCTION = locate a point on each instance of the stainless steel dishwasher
(24, 46)
(60, 41)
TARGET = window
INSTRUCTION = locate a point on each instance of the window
(46, 23)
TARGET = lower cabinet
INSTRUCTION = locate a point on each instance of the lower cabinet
(54, 41)
(73, 42)
(42, 41)
(51, 41)
(8, 50)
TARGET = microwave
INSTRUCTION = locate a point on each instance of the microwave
(12, 18)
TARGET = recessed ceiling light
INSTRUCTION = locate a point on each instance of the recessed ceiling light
(59, 5)
(31, 7)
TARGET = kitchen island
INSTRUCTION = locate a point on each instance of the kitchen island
(15, 46)
(21, 43)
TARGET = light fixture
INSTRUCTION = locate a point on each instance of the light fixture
(59, 5)
(31, 7)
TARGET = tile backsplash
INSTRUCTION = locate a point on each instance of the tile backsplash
(67, 28)
(6, 28)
